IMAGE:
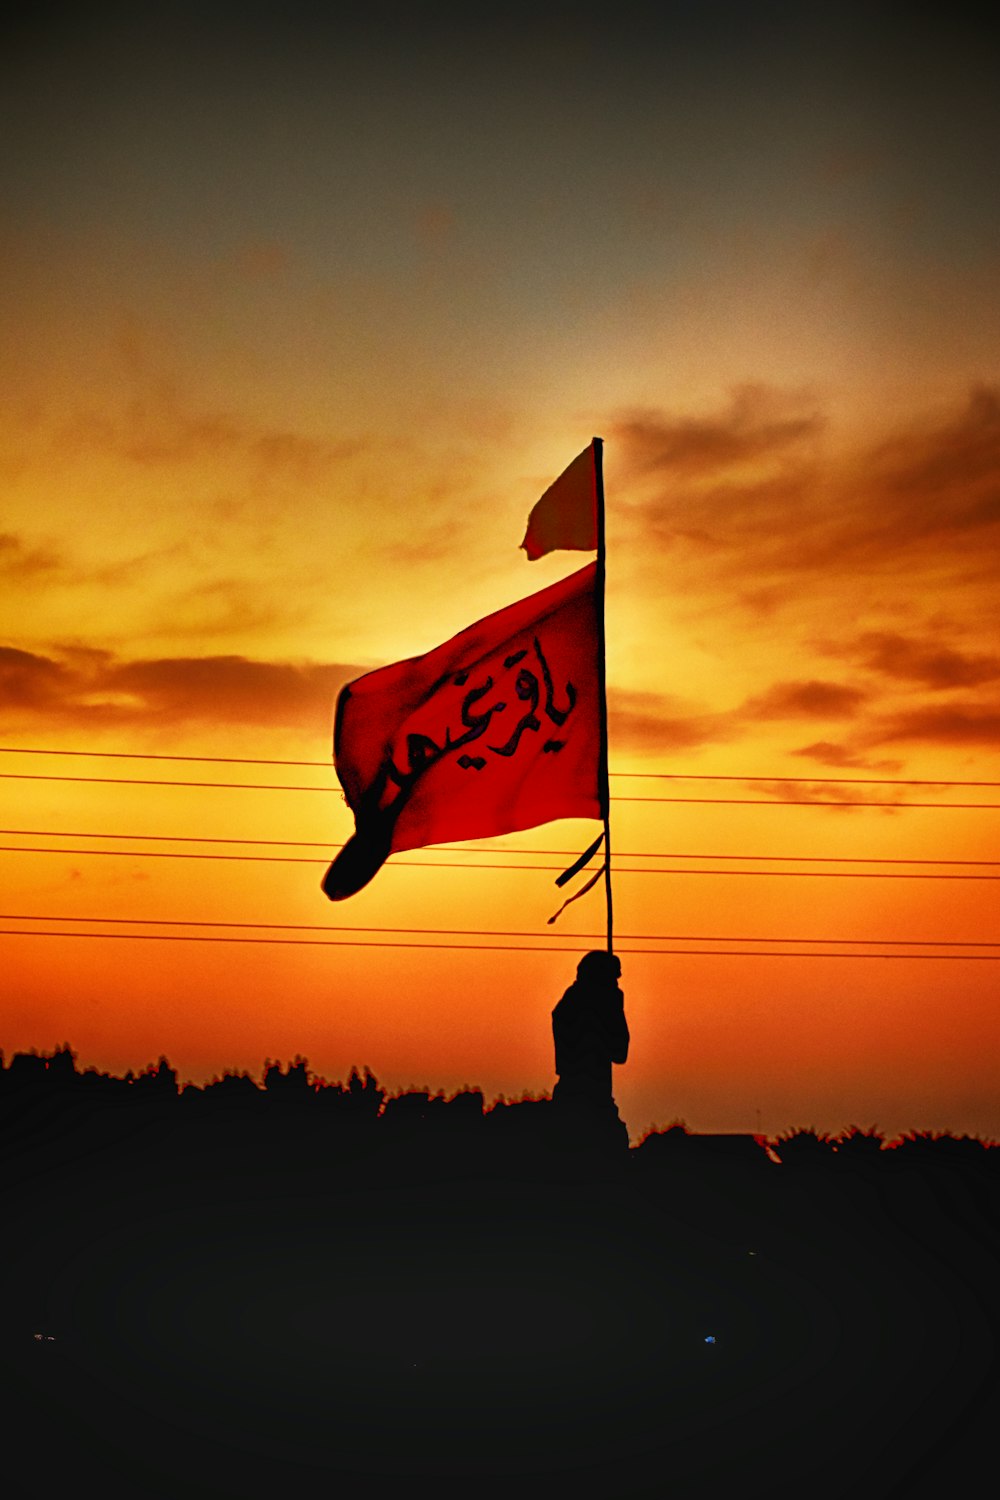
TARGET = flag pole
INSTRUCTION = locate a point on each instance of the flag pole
(602, 767)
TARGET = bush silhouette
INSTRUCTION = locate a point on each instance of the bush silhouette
(805, 1148)
(858, 1147)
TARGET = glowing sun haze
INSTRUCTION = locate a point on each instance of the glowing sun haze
(301, 318)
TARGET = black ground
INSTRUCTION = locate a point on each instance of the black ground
(248, 1306)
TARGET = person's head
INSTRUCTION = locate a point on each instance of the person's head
(599, 967)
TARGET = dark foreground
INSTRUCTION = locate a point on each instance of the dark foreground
(241, 1311)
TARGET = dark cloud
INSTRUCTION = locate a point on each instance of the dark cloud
(753, 491)
(652, 721)
(94, 687)
(90, 686)
(724, 489)
(969, 725)
(961, 453)
(19, 560)
(28, 681)
(928, 494)
(922, 660)
(951, 724)
(932, 489)
(843, 758)
(158, 428)
(42, 566)
(806, 700)
(229, 688)
(764, 602)
(826, 792)
(754, 426)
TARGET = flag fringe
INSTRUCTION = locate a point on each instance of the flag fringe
(578, 864)
(581, 892)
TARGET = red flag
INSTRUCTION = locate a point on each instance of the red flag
(566, 515)
(496, 730)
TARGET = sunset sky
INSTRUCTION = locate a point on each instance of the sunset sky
(301, 315)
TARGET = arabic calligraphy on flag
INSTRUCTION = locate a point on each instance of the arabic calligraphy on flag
(494, 731)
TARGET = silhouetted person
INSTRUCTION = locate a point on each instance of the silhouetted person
(590, 1034)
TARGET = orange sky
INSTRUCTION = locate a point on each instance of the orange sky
(303, 320)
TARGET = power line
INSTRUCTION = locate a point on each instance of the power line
(256, 786)
(808, 780)
(173, 937)
(473, 847)
(217, 760)
(806, 802)
(240, 786)
(442, 864)
(230, 760)
(632, 937)
(181, 838)
(284, 859)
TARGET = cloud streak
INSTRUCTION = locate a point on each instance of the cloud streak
(756, 426)
(958, 724)
(804, 700)
(924, 660)
(755, 489)
(842, 758)
(968, 725)
(97, 688)
(20, 562)
(93, 687)
(656, 722)
(158, 430)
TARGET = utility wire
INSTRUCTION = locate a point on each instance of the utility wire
(230, 760)
(807, 802)
(217, 760)
(632, 937)
(442, 864)
(241, 786)
(173, 937)
(256, 786)
(476, 848)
